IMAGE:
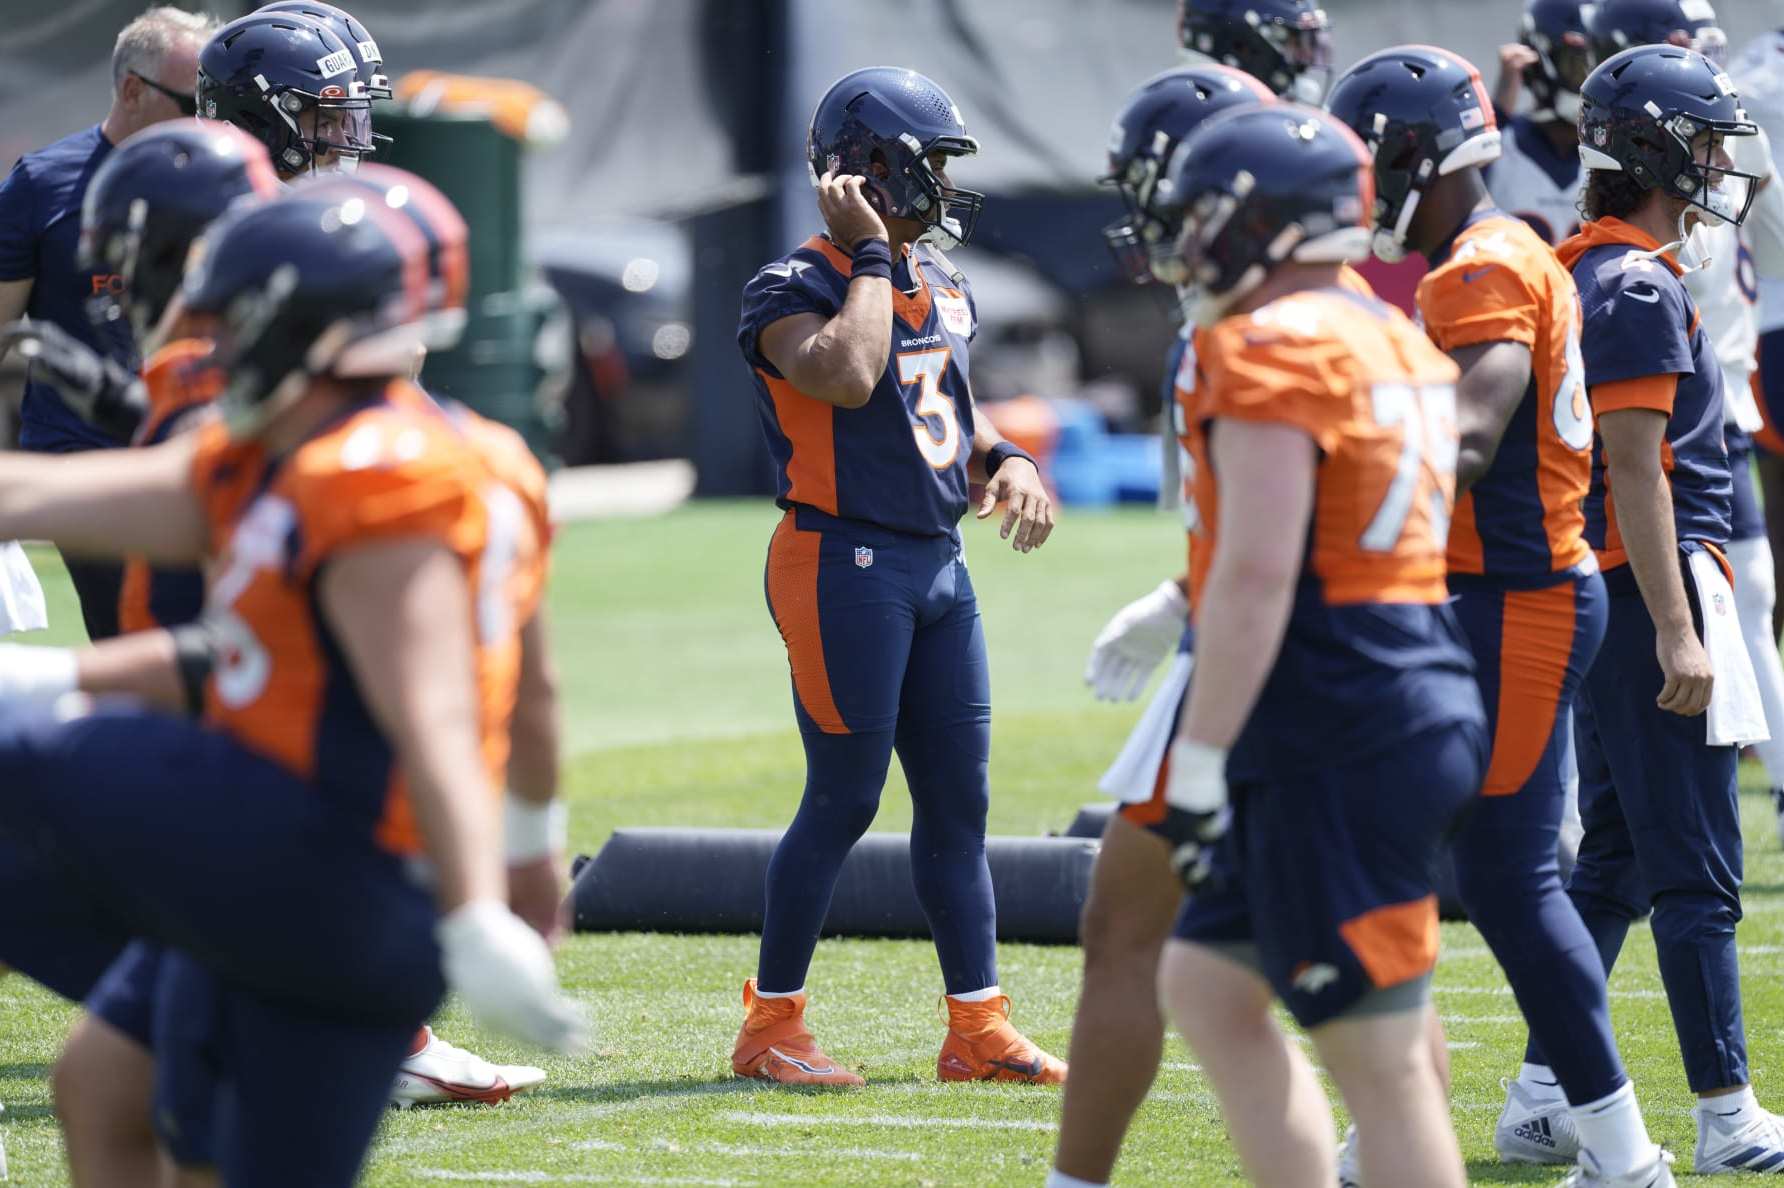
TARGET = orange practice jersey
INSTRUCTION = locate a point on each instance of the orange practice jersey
(1499, 282)
(180, 383)
(282, 686)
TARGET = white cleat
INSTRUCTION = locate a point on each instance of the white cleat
(1749, 1139)
(442, 1073)
(1535, 1129)
(1350, 1164)
(1657, 1174)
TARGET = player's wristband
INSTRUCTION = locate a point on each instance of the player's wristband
(872, 257)
(1196, 781)
(195, 655)
(534, 831)
(1002, 452)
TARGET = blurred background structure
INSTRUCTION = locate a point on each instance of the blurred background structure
(654, 158)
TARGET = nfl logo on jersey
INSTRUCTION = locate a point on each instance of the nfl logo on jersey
(863, 556)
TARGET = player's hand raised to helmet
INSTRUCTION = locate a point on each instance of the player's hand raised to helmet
(848, 215)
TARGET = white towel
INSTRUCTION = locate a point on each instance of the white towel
(1131, 778)
(1736, 715)
(21, 598)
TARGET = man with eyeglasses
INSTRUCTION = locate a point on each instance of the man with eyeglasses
(154, 66)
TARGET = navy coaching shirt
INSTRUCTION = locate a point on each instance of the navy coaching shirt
(40, 226)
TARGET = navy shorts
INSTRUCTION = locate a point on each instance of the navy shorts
(879, 625)
(1328, 871)
(1747, 520)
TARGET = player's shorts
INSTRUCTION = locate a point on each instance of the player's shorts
(1747, 518)
(1325, 879)
(868, 615)
(1768, 391)
(1532, 649)
(125, 994)
(1137, 777)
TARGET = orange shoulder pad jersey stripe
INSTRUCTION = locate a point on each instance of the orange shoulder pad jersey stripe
(282, 687)
(1378, 400)
(179, 382)
(1502, 283)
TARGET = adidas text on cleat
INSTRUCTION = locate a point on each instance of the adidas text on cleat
(436, 1072)
(1535, 1129)
(1657, 1174)
(983, 1046)
(774, 1045)
(1746, 1139)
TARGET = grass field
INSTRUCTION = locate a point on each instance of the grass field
(679, 713)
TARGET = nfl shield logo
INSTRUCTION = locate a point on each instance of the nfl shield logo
(863, 556)
(1716, 599)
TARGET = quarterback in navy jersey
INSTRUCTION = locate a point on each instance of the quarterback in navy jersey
(858, 344)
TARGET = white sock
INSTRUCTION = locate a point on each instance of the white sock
(1612, 1129)
(1058, 1179)
(761, 993)
(986, 995)
(1540, 1080)
(1738, 1102)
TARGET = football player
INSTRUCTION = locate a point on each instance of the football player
(1284, 44)
(1537, 175)
(293, 85)
(1657, 772)
(320, 685)
(1118, 1033)
(858, 342)
(1333, 728)
(1525, 585)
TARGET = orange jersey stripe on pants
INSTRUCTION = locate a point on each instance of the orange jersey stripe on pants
(1534, 648)
(793, 564)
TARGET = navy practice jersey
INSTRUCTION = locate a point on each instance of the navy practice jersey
(898, 461)
(1639, 322)
(40, 227)
(1534, 181)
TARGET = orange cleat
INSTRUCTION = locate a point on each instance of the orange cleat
(774, 1045)
(982, 1046)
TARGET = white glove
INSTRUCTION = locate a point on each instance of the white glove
(1140, 635)
(503, 971)
(36, 675)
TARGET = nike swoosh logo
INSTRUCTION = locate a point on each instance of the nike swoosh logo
(1652, 296)
(1469, 278)
(1029, 1068)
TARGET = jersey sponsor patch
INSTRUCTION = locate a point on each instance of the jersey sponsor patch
(339, 62)
(956, 314)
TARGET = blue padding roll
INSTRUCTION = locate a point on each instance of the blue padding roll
(710, 880)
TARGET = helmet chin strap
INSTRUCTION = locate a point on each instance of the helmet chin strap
(1390, 246)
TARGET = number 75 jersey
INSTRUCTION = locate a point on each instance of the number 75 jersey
(899, 461)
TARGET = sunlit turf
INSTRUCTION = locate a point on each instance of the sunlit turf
(680, 714)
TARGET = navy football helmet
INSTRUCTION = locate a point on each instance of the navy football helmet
(1642, 111)
(1617, 25)
(1423, 112)
(433, 217)
(303, 287)
(1255, 187)
(289, 83)
(896, 118)
(1147, 130)
(368, 62)
(1556, 30)
(1286, 44)
(151, 198)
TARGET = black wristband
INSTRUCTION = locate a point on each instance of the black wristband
(194, 650)
(1002, 452)
(872, 257)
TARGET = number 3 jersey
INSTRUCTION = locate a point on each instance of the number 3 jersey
(1496, 281)
(1372, 655)
(898, 461)
(282, 685)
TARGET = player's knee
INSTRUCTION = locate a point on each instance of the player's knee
(1688, 916)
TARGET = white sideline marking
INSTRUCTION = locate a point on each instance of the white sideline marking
(892, 1120)
(543, 1177)
(665, 1147)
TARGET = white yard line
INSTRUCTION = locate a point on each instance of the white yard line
(1180, 1066)
(1505, 991)
(1462, 1045)
(1481, 1020)
(889, 1120)
(661, 1147)
(545, 1177)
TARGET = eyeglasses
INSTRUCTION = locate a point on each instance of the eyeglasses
(186, 102)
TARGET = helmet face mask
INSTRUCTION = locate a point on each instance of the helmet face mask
(1286, 44)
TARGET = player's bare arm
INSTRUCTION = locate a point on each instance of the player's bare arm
(1028, 509)
(1495, 376)
(1250, 589)
(535, 873)
(1632, 440)
(106, 503)
(1513, 59)
(840, 359)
